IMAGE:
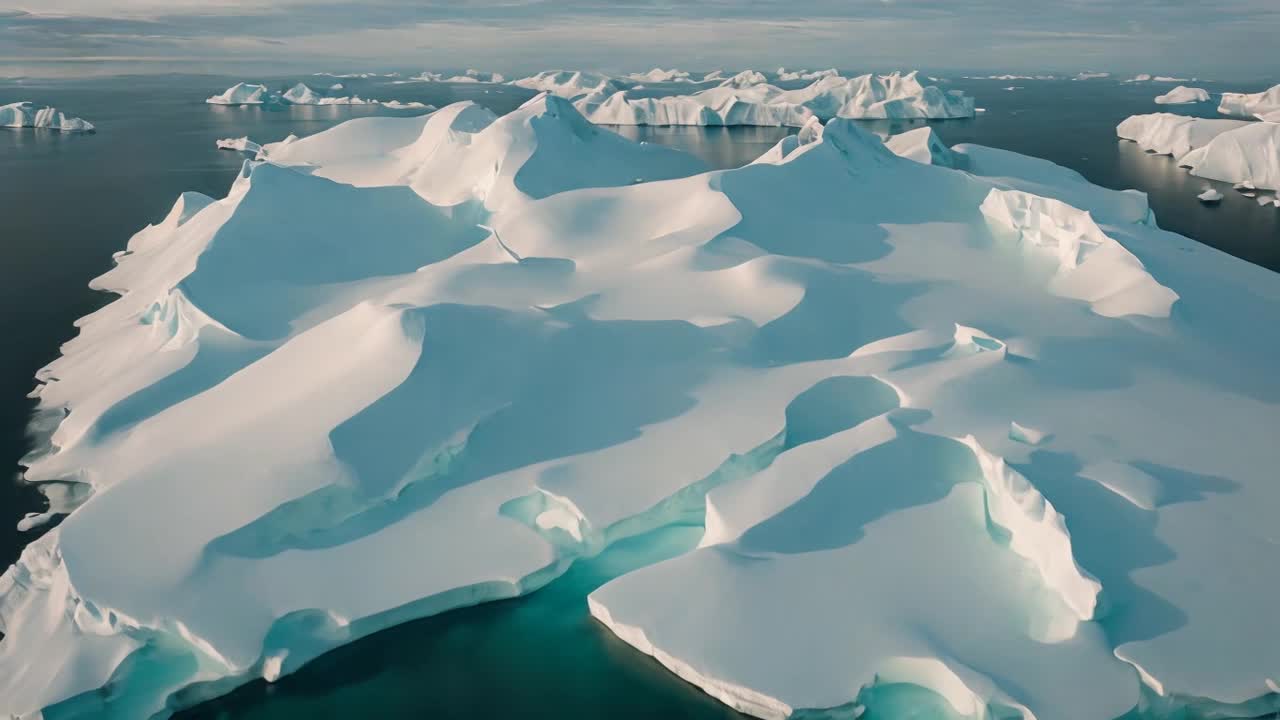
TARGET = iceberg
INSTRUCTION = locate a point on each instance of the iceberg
(506, 343)
(1250, 154)
(30, 115)
(568, 83)
(1251, 105)
(1236, 151)
(299, 94)
(1183, 95)
(471, 75)
(752, 103)
(1171, 134)
(240, 144)
(1090, 75)
(785, 75)
(1210, 195)
(245, 94)
(745, 79)
(658, 75)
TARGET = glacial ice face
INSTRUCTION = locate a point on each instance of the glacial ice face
(1183, 95)
(1236, 151)
(934, 419)
(30, 115)
(1251, 105)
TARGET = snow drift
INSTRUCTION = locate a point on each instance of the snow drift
(938, 423)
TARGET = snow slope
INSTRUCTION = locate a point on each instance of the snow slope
(1183, 95)
(939, 423)
(30, 115)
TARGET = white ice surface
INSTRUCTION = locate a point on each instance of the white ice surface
(981, 433)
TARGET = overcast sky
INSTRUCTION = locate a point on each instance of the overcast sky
(1223, 39)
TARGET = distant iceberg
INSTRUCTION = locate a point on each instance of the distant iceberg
(30, 115)
(734, 103)
(568, 83)
(745, 79)
(245, 94)
(785, 75)
(658, 75)
(1089, 75)
(1260, 105)
(299, 94)
(470, 76)
(1183, 95)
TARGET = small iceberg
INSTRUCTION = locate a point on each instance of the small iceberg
(245, 94)
(300, 94)
(30, 115)
(1183, 95)
(1210, 195)
(240, 144)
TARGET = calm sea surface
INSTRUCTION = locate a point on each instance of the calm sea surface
(67, 202)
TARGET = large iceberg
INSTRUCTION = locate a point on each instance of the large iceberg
(30, 115)
(938, 423)
(1251, 105)
(1236, 151)
(747, 102)
(245, 94)
(1183, 95)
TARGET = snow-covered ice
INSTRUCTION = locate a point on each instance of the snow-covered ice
(1183, 95)
(30, 115)
(939, 422)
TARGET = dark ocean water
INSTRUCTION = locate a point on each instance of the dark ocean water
(67, 202)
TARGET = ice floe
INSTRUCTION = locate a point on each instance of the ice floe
(939, 424)
(30, 115)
